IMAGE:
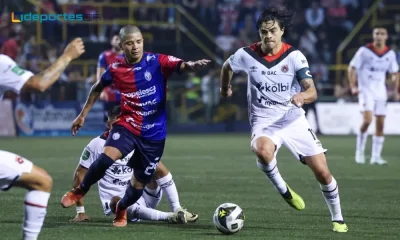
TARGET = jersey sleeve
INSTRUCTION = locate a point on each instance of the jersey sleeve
(91, 152)
(101, 62)
(107, 77)
(12, 77)
(169, 65)
(394, 65)
(301, 67)
(356, 61)
(236, 61)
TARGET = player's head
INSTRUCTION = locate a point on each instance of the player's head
(380, 35)
(273, 23)
(113, 114)
(115, 41)
(131, 42)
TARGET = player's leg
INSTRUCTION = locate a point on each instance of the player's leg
(152, 194)
(79, 174)
(300, 139)
(167, 184)
(367, 106)
(119, 144)
(144, 163)
(266, 149)
(139, 210)
(378, 139)
(19, 172)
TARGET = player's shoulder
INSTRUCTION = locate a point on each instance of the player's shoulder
(97, 143)
(4, 59)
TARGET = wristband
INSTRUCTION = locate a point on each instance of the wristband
(80, 209)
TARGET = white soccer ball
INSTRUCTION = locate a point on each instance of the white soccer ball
(228, 218)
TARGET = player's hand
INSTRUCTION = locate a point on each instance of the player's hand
(298, 100)
(80, 217)
(354, 90)
(77, 124)
(198, 64)
(226, 91)
(74, 49)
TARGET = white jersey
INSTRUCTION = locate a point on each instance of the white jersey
(12, 77)
(272, 82)
(117, 177)
(371, 67)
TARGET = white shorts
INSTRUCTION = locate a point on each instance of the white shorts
(296, 135)
(11, 168)
(367, 103)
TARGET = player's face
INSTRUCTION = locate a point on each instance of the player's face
(115, 41)
(132, 44)
(380, 35)
(270, 34)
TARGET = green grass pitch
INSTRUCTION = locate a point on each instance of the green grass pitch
(213, 169)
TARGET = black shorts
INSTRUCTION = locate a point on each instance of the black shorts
(146, 153)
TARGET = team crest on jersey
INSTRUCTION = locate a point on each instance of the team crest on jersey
(147, 75)
(116, 136)
(150, 57)
(285, 68)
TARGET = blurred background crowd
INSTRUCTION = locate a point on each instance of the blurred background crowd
(192, 29)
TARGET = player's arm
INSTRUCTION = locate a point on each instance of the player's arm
(310, 92)
(225, 78)
(43, 80)
(101, 67)
(304, 77)
(170, 64)
(355, 63)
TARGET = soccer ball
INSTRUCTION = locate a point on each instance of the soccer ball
(228, 218)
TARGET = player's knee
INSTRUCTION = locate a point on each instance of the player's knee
(161, 171)
(43, 182)
(367, 119)
(265, 153)
(112, 153)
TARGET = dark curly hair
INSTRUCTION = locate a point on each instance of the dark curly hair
(277, 13)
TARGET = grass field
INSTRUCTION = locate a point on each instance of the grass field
(213, 169)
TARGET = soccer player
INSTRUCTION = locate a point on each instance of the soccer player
(110, 95)
(367, 77)
(16, 170)
(276, 71)
(141, 79)
(118, 177)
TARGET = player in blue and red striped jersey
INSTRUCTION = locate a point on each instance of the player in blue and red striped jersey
(110, 95)
(141, 79)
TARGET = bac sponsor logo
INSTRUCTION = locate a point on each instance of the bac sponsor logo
(141, 93)
(145, 114)
(142, 104)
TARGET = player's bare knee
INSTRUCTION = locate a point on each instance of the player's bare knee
(367, 118)
(265, 153)
(152, 184)
(323, 176)
(161, 171)
(42, 182)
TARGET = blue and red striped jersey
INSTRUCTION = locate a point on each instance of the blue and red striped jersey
(143, 88)
(105, 59)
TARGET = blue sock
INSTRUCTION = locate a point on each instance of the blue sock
(96, 171)
(131, 196)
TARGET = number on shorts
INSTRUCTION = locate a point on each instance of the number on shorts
(149, 170)
(19, 160)
(312, 133)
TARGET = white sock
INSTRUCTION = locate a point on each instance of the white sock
(152, 196)
(272, 172)
(332, 199)
(361, 141)
(137, 211)
(377, 145)
(35, 213)
(169, 189)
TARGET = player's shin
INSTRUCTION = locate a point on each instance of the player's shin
(377, 146)
(168, 187)
(131, 196)
(96, 171)
(331, 196)
(141, 212)
(152, 196)
(35, 213)
(272, 172)
(361, 141)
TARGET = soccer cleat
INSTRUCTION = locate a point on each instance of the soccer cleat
(360, 158)
(70, 198)
(189, 217)
(120, 219)
(293, 199)
(177, 217)
(340, 227)
(378, 161)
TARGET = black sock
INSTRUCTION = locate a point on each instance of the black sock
(96, 171)
(131, 196)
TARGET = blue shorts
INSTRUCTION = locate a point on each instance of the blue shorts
(146, 155)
